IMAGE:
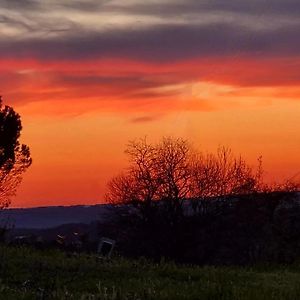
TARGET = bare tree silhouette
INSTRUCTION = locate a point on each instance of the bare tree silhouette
(157, 172)
(172, 171)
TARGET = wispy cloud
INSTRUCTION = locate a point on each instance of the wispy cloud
(144, 119)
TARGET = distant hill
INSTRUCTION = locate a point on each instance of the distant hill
(53, 216)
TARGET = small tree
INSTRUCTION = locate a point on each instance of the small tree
(14, 157)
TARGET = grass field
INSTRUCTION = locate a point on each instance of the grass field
(30, 274)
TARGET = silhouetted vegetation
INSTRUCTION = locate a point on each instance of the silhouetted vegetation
(14, 157)
(202, 208)
(162, 176)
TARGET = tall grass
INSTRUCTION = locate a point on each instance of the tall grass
(30, 274)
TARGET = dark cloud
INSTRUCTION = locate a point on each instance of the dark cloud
(261, 7)
(144, 119)
(185, 7)
(20, 4)
(41, 5)
(62, 39)
(132, 87)
(160, 43)
(88, 6)
(128, 80)
(13, 21)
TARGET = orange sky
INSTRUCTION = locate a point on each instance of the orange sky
(85, 85)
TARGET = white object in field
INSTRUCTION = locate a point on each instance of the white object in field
(105, 247)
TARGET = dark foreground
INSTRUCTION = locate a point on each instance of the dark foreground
(30, 274)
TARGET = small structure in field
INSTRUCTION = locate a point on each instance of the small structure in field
(105, 247)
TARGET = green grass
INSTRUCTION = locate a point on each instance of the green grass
(30, 274)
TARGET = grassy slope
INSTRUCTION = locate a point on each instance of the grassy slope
(31, 274)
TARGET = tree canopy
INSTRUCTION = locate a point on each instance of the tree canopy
(14, 157)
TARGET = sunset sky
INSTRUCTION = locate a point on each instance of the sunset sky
(87, 76)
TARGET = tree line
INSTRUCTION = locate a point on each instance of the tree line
(163, 175)
(177, 202)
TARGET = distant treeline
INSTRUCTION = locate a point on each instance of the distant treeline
(206, 208)
(242, 230)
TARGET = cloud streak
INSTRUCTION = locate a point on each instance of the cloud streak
(161, 43)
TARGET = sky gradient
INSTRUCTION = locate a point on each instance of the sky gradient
(87, 76)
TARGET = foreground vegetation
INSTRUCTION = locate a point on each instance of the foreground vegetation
(30, 274)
